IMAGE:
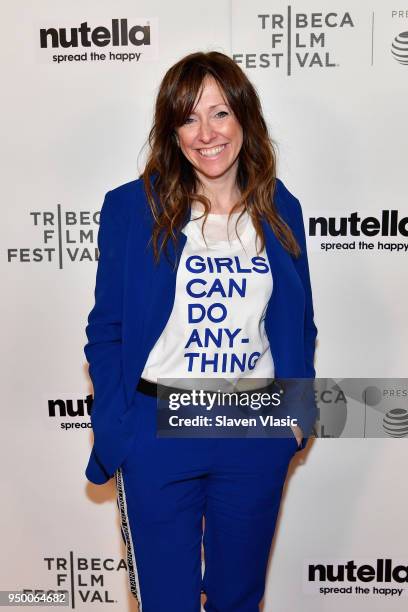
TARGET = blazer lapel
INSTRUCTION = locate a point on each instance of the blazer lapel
(150, 299)
(160, 294)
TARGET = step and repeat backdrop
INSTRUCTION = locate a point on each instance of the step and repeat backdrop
(79, 81)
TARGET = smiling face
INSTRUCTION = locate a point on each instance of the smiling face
(211, 137)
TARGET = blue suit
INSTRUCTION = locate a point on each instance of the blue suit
(133, 301)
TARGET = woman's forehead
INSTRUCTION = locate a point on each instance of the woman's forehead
(210, 94)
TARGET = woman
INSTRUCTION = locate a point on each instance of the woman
(168, 260)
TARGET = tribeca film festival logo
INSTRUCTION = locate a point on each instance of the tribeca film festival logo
(384, 578)
(64, 236)
(120, 40)
(388, 230)
(297, 40)
(81, 579)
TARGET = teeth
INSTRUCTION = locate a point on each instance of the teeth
(211, 152)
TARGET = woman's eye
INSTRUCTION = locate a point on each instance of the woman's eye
(222, 113)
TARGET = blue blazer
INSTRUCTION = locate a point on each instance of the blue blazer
(134, 298)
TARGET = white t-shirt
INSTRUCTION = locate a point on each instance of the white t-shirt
(216, 328)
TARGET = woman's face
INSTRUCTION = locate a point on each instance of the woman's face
(211, 137)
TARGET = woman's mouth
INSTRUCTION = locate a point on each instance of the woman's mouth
(213, 152)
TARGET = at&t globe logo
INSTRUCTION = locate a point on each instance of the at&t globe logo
(399, 48)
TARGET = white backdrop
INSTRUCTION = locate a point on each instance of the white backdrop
(335, 100)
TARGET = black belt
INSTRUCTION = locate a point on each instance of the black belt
(150, 388)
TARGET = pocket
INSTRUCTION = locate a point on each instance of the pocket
(295, 443)
(298, 444)
(132, 410)
(136, 440)
(140, 424)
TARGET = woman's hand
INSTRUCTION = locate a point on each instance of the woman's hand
(298, 433)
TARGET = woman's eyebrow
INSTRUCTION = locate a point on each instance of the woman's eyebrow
(212, 106)
(219, 104)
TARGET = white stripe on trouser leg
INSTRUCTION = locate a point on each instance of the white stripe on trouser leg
(130, 553)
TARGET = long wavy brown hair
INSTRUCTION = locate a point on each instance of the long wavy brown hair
(169, 179)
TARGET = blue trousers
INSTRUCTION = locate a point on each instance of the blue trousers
(166, 486)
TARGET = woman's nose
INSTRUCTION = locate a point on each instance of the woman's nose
(206, 132)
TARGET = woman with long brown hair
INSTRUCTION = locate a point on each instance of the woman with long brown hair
(184, 295)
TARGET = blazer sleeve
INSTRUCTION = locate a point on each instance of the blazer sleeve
(103, 350)
(302, 266)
